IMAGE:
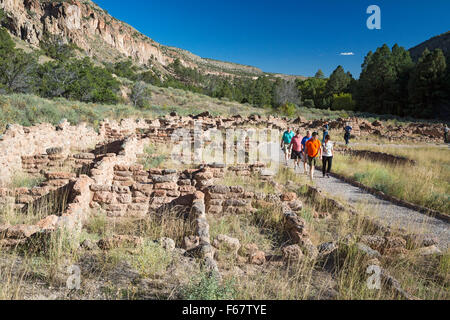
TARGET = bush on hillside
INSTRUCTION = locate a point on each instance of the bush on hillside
(78, 80)
(343, 101)
(17, 68)
(288, 109)
(56, 48)
(140, 95)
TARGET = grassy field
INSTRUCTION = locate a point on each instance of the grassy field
(427, 183)
(29, 110)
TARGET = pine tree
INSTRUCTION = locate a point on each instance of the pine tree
(427, 87)
(382, 85)
(319, 74)
(6, 43)
(312, 92)
(339, 82)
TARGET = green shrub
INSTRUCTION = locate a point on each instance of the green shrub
(309, 103)
(55, 47)
(208, 287)
(77, 80)
(288, 109)
(123, 69)
(343, 101)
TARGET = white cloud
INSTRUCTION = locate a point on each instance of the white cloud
(346, 54)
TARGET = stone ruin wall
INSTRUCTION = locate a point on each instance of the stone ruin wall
(27, 146)
(18, 142)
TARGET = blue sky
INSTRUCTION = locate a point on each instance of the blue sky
(283, 36)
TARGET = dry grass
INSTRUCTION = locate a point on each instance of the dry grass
(426, 184)
(25, 180)
(169, 224)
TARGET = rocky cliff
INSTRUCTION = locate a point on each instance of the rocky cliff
(100, 35)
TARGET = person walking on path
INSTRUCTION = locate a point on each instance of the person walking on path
(446, 134)
(314, 151)
(304, 155)
(348, 130)
(327, 156)
(286, 142)
(296, 149)
(326, 128)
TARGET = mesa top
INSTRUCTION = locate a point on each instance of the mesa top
(313, 148)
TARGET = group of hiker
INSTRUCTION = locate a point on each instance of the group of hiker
(309, 150)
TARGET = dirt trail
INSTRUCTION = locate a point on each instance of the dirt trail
(388, 213)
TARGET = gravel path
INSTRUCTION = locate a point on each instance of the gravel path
(417, 145)
(388, 213)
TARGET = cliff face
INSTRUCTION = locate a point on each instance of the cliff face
(98, 34)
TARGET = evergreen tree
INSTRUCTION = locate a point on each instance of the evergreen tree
(339, 82)
(77, 80)
(56, 47)
(312, 92)
(17, 68)
(382, 80)
(2, 16)
(427, 85)
(6, 43)
(319, 74)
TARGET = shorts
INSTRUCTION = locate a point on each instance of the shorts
(296, 155)
(304, 159)
(286, 148)
(312, 161)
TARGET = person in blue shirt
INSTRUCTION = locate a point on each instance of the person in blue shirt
(326, 128)
(304, 157)
(286, 142)
(348, 130)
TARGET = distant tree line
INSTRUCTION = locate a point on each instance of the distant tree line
(390, 83)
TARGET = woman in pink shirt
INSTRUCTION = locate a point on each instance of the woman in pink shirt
(296, 149)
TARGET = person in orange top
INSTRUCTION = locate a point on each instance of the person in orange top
(314, 153)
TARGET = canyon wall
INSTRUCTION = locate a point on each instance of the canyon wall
(100, 35)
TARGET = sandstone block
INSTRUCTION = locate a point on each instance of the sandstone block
(21, 231)
(224, 242)
(289, 196)
(119, 241)
(215, 209)
(187, 189)
(173, 193)
(124, 198)
(166, 186)
(257, 257)
(167, 244)
(292, 253)
(104, 197)
(159, 193)
(190, 242)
